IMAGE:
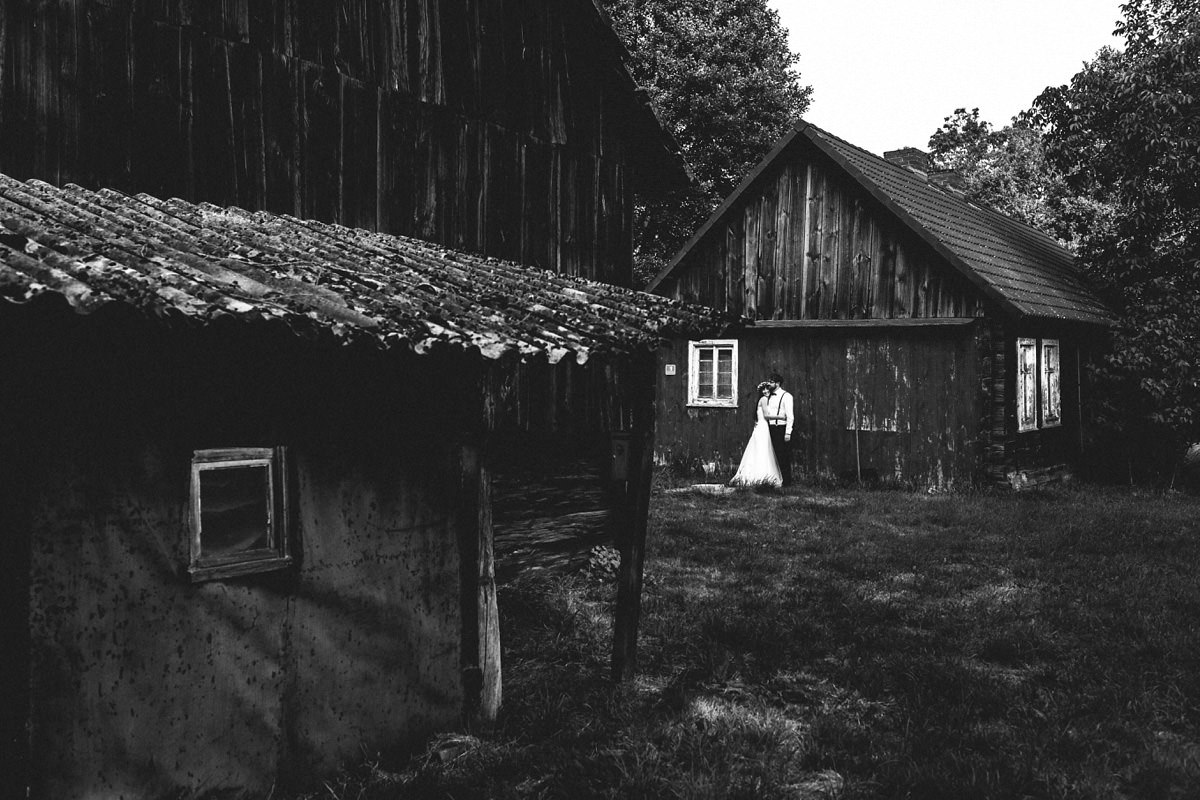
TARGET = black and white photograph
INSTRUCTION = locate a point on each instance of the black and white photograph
(699, 399)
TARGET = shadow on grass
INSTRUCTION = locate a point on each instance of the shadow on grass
(857, 644)
(980, 636)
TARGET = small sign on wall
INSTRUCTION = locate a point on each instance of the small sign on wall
(669, 369)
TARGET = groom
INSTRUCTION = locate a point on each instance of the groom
(779, 422)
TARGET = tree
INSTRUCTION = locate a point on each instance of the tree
(1009, 170)
(725, 84)
(1110, 164)
(1126, 133)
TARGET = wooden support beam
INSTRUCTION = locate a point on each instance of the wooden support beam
(904, 322)
(633, 501)
(482, 684)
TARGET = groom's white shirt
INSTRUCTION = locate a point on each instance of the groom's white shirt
(779, 404)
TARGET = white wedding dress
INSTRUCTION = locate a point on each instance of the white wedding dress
(759, 465)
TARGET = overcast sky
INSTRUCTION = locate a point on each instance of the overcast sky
(886, 72)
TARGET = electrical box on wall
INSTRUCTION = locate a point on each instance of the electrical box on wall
(669, 369)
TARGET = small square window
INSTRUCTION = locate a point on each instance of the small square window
(239, 512)
(712, 373)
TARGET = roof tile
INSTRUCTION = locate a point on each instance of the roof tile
(1026, 267)
(99, 247)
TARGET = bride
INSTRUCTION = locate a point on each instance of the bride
(759, 465)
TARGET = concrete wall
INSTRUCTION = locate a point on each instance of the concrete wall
(143, 683)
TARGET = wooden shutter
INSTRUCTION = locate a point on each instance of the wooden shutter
(1050, 388)
(1026, 384)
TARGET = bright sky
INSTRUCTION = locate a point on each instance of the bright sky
(886, 72)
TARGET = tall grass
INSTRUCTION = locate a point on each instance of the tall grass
(857, 644)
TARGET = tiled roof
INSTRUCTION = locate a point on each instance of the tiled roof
(1026, 268)
(172, 257)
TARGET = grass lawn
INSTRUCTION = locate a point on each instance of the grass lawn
(857, 644)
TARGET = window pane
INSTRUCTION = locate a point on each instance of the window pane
(705, 380)
(725, 373)
(235, 511)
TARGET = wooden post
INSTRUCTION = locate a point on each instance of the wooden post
(633, 508)
(482, 686)
(17, 480)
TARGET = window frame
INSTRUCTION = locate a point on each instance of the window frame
(277, 554)
(694, 350)
(1027, 385)
(1039, 384)
(1051, 383)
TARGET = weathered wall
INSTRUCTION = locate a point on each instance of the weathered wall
(500, 127)
(146, 684)
(916, 391)
(804, 242)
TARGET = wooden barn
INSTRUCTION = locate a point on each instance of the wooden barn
(505, 127)
(252, 466)
(262, 455)
(926, 340)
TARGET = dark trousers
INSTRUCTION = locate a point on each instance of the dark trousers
(783, 451)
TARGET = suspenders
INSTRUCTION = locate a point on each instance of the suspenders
(778, 408)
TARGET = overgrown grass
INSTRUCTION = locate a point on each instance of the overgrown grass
(857, 644)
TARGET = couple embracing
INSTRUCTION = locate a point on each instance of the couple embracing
(768, 455)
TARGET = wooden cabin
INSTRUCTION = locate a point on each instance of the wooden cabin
(506, 127)
(252, 466)
(927, 340)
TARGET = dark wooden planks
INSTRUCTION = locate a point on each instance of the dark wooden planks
(805, 243)
(913, 433)
(495, 127)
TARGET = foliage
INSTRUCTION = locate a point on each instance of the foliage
(1126, 132)
(1110, 164)
(1008, 170)
(725, 84)
(856, 644)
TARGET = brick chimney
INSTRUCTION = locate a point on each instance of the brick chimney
(950, 179)
(909, 157)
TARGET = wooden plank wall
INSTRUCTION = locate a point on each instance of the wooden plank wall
(804, 243)
(489, 126)
(909, 431)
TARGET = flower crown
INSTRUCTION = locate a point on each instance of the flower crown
(764, 386)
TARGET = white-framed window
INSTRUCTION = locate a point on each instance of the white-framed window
(239, 512)
(1039, 390)
(712, 373)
